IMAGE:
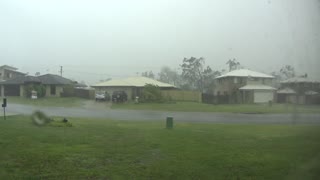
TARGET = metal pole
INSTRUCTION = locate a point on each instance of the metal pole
(4, 113)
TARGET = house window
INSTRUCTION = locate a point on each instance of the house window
(240, 80)
(8, 75)
(0, 74)
(53, 90)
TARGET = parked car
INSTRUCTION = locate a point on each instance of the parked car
(102, 96)
(119, 96)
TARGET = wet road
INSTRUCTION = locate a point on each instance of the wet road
(161, 115)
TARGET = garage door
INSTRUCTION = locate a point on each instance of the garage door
(263, 96)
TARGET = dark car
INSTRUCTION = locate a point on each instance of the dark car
(119, 96)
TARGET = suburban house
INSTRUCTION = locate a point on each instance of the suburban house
(301, 90)
(132, 86)
(245, 86)
(8, 72)
(53, 84)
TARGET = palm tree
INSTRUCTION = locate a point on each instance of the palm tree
(233, 64)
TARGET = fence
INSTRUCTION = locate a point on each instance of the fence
(75, 92)
(84, 93)
(180, 95)
(211, 99)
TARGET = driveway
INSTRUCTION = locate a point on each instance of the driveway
(86, 112)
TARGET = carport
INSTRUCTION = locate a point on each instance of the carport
(260, 93)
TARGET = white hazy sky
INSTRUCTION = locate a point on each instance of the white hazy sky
(99, 39)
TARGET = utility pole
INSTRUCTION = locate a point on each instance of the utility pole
(61, 67)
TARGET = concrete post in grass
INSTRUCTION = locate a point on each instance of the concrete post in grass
(169, 123)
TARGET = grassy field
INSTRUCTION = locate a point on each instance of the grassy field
(108, 149)
(232, 108)
(49, 101)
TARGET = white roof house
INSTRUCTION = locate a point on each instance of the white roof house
(138, 81)
(286, 91)
(300, 80)
(257, 87)
(245, 73)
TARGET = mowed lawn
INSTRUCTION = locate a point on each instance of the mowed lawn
(230, 108)
(49, 101)
(109, 149)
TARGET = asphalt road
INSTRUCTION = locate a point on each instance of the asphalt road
(161, 115)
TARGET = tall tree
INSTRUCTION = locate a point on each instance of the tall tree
(170, 76)
(233, 64)
(208, 79)
(196, 74)
(287, 72)
(192, 70)
(148, 74)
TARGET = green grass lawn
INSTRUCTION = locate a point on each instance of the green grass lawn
(108, 149)
(49, 101)
(232, 108)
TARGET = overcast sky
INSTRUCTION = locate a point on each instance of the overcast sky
(99, 39)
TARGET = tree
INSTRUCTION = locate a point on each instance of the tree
(192, 70)
(277, 79)
(169, 76)
(151, 93)
(287, 72)
(196, 76)
(208, 79)
(148, 74)
(233, 64)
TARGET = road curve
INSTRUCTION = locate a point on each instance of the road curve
(161, 115)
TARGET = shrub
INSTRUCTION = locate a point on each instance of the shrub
(152, 93)
(41, 90)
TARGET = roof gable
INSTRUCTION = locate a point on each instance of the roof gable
(44, 79)
(8, 67)
(245, 73)
(54, 79)
(21, 80)
(132, 82)
(300, 80)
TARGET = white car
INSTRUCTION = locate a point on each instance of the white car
(100, 96)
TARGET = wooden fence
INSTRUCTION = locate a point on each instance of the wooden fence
(211, 99)
(75, 92)
(180, 95)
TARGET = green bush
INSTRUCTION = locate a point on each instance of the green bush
(41, 90)
(152, 93)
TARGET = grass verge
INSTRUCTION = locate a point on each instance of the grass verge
(49, 101)
(109, 149)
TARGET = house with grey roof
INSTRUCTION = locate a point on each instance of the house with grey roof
(301, 90)
(53, 84)
(245, 86)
